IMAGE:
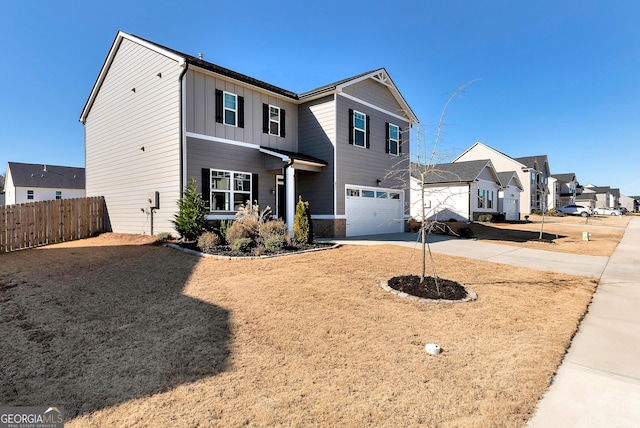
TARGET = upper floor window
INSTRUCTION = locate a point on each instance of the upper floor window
(273, 120)
(29, 194)
(358, 129)
(229, 108)
(58, 194)
(393, 139)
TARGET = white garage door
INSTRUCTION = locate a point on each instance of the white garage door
(373, 211)
(511, 209)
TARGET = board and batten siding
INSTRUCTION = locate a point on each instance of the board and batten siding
(317, 138)
(201, 113)
(120, 124)
(364, 166)
(375, 93)
(226, 157)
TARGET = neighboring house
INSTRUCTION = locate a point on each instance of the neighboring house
(459, 191)
(627, 202)
(157, 118)
(567, 189)
(605, 196)
(553, 197)
(532, 171)
(509, 195)
(27, 182)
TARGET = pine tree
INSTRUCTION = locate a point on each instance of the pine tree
(191, 221)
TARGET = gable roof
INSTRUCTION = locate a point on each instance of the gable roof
(531, 161)
(507, 177)
(565, 177)
(47, 176)
(184, 60)
(459, 172)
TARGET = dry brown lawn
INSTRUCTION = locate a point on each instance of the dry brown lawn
(124, 334)
(564, 232)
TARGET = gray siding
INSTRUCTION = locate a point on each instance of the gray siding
(361, 166)
(208, 154)
(120, 123)
(375, 93)
(201, 116)
(317, 138)
(485, 174)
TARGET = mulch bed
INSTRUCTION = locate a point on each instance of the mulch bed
(411, 284)
(226, 251)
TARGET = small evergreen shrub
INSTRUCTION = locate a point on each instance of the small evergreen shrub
(208, 241)
(191, 221)
(485, 217)
(302, 225)
(244, 245)
(275, 242)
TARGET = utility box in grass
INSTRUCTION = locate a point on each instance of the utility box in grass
(585, 236)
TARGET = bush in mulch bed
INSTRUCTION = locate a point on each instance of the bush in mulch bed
(411, 284)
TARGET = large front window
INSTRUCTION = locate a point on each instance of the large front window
(229, 190)
(230, 109)
(480, 198)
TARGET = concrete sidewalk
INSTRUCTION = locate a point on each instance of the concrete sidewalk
(598, 381)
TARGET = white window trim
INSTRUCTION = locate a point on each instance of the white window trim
(481, 198)
(363, 130)
(396, 140)
(231, 190)
(274, 121)
(225, 108)
(33, 195)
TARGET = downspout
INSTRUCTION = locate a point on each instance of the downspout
(183, 138)
(470, 196)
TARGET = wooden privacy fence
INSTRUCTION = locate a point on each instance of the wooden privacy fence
(47, 222)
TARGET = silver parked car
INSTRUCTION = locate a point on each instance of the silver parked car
(608, 211)
(576, 210)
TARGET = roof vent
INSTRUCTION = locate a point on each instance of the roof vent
(45, 167)
(200, 55)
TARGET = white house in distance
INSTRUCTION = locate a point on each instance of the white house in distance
(27, 182)
(459, 191)
(533, 172)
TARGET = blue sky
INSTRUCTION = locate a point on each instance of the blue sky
(554, 77)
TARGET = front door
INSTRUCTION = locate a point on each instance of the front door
(281, 208)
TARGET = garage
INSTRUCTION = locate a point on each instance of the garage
(373, 211)
(511, 211)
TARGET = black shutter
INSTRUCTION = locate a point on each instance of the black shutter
(350, 126)
(240, 112)
(265, 118)
(386, 127)
(368, 134)
(219, 108)
(282, 123)
(206, 186)
(399, 140)
(254, 189)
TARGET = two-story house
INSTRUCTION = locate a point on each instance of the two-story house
(532, 171)
(29, 182)
(157, 118)
(567, 189)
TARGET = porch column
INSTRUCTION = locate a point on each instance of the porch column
(290, 201)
